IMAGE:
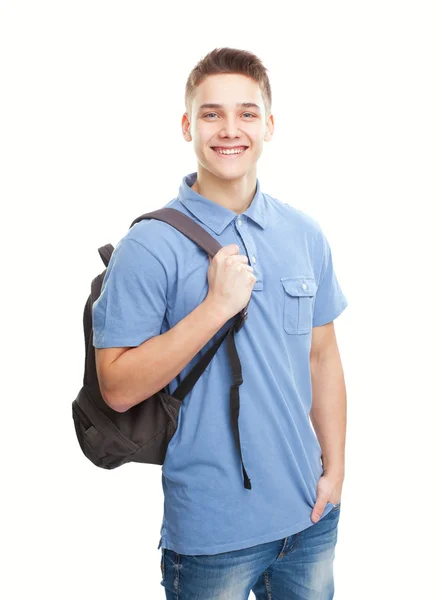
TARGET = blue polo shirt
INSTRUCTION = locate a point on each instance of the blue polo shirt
(155, 278)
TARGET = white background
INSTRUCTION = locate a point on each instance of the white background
(91, 104)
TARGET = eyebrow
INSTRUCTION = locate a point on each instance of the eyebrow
(239, 104)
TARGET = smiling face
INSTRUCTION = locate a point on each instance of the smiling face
(228, 112)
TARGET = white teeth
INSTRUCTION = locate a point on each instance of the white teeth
(229, 151)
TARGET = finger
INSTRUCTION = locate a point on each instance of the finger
(240, 258)
(230, 249)
(237, 258)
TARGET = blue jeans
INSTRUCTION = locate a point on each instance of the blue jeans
(299, 567)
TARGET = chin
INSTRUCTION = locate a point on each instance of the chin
(229, 172)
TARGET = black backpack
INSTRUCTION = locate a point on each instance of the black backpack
(141, 434)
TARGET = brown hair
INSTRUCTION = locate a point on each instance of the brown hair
(229, 60)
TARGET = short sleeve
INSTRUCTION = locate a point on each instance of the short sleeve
(132, 303)
(329, 300)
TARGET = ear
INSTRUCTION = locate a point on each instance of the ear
(186, 127)
(270, 128)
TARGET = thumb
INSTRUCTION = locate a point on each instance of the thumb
(318, 509)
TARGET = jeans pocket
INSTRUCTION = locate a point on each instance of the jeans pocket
(162, 562)
(299, 295)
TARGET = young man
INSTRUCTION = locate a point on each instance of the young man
(226, 531)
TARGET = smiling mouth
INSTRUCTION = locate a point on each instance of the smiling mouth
(229, 152)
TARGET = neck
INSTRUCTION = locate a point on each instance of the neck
(234, 194)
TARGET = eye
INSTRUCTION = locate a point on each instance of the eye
(246, 113)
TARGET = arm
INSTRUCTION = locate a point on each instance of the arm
(328, 412)
(127, 376)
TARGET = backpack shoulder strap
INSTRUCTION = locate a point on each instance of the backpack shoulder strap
(185, 225)
(195, 233)
(105, 253)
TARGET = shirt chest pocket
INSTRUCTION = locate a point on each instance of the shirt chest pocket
(298, 296)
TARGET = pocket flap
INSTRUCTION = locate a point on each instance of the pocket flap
(299, 286)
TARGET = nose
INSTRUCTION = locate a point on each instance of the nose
(230, 128)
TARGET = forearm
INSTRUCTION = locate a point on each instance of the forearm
(142, 371)
(328, 412)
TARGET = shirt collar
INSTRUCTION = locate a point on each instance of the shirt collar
(215, 216)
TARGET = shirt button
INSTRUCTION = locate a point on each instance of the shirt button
(239, 221)
(304, 286)
(253, 259)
